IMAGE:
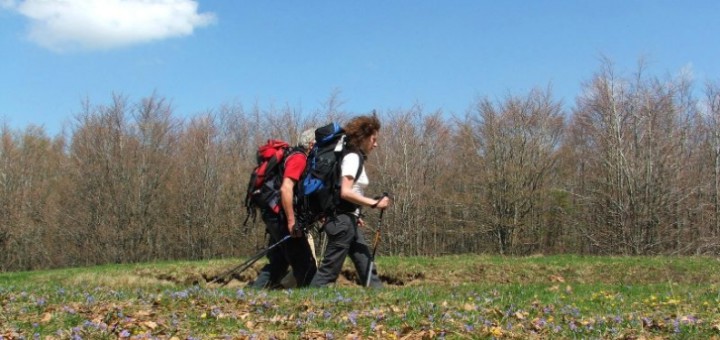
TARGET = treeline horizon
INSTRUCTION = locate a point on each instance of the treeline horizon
(633, 168)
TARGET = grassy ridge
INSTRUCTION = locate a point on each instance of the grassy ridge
(452, 297)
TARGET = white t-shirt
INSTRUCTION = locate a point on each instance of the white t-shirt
(349, 167)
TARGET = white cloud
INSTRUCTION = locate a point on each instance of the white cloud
(62, 25)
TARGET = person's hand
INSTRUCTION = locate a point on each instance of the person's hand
(361, 222)
(382, 203)
(295, 231)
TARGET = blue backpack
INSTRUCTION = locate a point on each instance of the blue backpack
(319, 188)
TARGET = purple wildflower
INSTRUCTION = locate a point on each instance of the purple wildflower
(180, 295)
(646, 322)
(215, 312)
(124, 333)
(174, 321)
(341, 298)
(676, 326)
(353, 318)
(690, 320)
(510, 311)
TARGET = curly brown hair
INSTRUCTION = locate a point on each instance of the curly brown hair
(359, 129)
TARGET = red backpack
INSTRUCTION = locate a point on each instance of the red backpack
(263, 191)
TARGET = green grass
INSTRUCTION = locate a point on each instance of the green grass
(452, 296)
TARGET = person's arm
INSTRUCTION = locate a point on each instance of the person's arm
(294, 167)
(347, 193)
(286, 199)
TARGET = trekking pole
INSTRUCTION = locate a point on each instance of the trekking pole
(245, 265)
(376, 242)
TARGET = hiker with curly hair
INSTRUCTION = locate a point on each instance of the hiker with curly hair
(344, 237)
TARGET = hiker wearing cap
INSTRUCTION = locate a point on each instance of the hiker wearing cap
(344, 238)
(295, 252)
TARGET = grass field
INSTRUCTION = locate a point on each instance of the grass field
(453, 297)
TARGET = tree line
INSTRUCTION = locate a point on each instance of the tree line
(632, 168)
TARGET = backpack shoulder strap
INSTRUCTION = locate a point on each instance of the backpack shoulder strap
(361, 161)
(292, 151)
(289, 152)
(360, 167)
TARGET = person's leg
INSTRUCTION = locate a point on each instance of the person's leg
(276, 268)
(298, 255)
(340, 232)
(301, 261)
(360, 254)
(267, 276)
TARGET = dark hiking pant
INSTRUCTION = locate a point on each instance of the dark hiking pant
(344, 239)
(295, 253)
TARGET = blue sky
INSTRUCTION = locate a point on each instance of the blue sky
(379, 54)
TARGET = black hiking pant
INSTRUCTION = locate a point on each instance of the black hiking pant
(344, 239)
(294, 252)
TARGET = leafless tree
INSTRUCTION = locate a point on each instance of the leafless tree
(197, 188)
(635, 132)
(517, 141)
(409, 166)
(156, 132)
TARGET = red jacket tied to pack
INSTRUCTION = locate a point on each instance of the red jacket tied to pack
(268, 157)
